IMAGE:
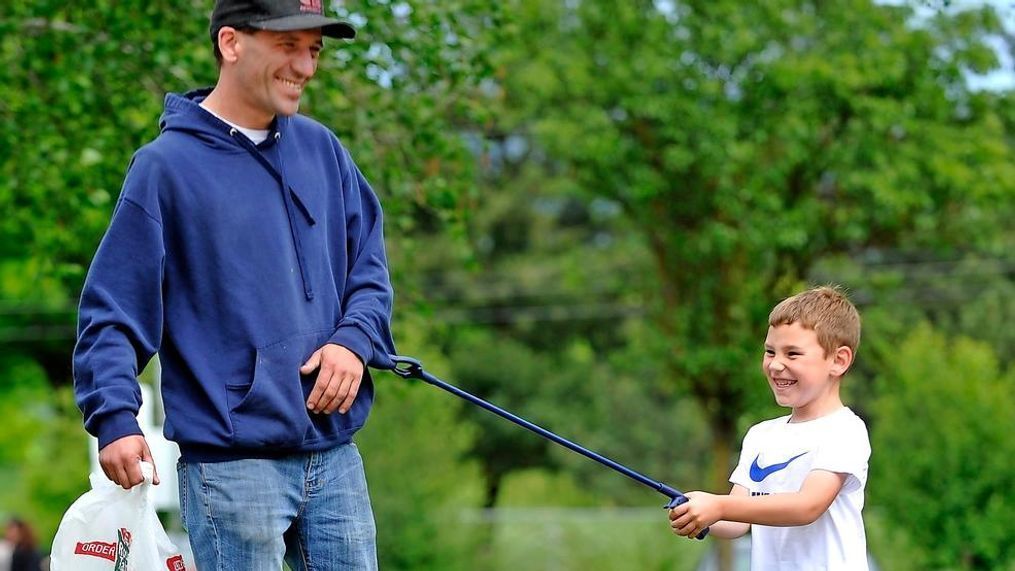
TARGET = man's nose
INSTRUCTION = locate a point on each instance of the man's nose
(305, 64)
(776, 365)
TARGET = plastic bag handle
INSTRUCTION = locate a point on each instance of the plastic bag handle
(147, 471)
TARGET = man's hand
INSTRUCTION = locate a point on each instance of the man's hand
(120, 461)
(338, 379)
(700, 511)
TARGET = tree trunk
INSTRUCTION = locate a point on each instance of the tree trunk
(724, 434)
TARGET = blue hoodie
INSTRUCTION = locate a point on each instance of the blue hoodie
(235, 263)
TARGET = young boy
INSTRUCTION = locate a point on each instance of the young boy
(800, 481)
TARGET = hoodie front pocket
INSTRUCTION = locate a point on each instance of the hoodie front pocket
(272, 411)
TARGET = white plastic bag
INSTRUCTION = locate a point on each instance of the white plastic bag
(112, 529)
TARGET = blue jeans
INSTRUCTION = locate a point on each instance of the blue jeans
(312, 509)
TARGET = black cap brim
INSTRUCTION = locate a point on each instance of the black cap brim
(329, 27)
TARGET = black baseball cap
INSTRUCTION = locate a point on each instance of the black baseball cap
(278, 16)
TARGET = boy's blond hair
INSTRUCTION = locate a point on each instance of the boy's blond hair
(824, 310)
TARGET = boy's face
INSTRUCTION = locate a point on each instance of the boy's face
(799, 372)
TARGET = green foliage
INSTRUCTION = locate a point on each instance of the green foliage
(618, 407)
(942, 450)
(577, 539)
(82, 88)
(504, 373)
(745, 142)
(538, 488)
(24, 396)
(398, 96)
(56, 472)
(84, 84)
(420, 479)
(43, 459)
(890, 545)
(591, 207)
(611, 405)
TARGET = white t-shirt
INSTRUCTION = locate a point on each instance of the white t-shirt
(256, 136)
(777, 456)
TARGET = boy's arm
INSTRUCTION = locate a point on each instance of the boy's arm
(797, 508)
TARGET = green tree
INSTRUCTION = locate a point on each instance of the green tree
(43, 457)
(81, 87)
(23, 402)
(942, 448)
(746, 142)
(414, 450)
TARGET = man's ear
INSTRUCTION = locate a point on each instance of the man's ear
(229, 44)
(841, 360)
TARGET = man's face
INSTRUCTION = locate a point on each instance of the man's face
(273, 68)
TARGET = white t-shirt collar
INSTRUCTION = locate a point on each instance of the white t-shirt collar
(257, 136)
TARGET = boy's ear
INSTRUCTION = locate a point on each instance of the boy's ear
(841, 360)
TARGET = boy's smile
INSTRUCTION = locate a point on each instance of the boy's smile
(799, 372)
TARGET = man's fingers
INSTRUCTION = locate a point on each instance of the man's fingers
(312, 363)
(120, 477)
(335, 393)
(108, 471)
(123, 475)
(324, 379)
(134, 474)
(328, 396)
(347, 389)
(354, 385)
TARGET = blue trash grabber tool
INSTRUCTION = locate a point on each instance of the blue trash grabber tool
(409, 368)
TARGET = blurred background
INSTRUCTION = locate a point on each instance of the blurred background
(591, 206)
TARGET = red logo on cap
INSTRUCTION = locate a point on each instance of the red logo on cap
(311, 6)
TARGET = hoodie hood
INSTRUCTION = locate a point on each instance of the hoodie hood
(184, 113)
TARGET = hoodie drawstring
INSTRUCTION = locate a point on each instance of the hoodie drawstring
(287, 198)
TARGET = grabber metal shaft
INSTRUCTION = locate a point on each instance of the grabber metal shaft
(409, 368)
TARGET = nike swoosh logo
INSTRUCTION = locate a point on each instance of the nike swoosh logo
(758, 473)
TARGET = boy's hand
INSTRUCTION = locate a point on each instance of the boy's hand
(700, 511)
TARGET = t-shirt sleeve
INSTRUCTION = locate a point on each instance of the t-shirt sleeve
(741, 472)
(846, 451)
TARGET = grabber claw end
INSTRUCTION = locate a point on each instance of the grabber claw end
(406, 367)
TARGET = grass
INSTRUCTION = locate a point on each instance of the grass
(603, 539)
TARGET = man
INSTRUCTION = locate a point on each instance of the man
(247, 250)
